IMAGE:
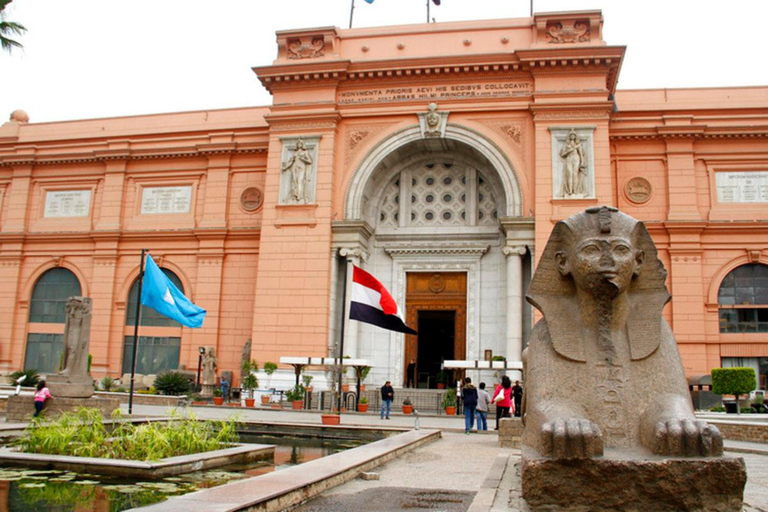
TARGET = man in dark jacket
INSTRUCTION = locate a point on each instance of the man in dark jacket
(470, 404)
(387, 394)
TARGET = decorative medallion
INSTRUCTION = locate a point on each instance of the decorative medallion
(306, 48)
(559, 34)
(251, 199)
(638, 190)
(436, 283)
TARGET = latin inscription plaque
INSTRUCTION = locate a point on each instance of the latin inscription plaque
(742, 187)
(67, 203)
(436, 92)
(158, 200)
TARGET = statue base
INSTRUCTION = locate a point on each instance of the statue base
(621, 481)
(65, 386)
(22, 407)
(207, 390)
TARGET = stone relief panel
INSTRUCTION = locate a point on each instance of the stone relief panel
(252, 199)
(298, 170)
(432, 123)
(357, 134)
(576, 31)
(573, 175)
(638, 190)
(306, 48)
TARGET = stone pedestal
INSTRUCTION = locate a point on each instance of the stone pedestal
(70, 386)
(510, 432)
(207, 390)
(620, 482)
(21, 407)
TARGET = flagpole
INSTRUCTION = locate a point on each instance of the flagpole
(136, 332)
(351, 12)
(343, 318)
(428, 10)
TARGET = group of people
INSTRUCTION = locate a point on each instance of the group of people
(477, 402)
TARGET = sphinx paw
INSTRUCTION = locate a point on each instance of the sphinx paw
(572, 438)
(685, 437)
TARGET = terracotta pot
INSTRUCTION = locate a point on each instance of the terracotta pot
(361, 389)
(407, 409)
(344, 388)
(264, 399)
(199, 402)
(441, 385)
(249, 402)
(233, 404)
(277, 405)
(310, 389)
(331, 419)
(297, 404)
(218, 400)
(362, 407)
(450, 411)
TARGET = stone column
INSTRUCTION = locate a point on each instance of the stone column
(351, 329)
(514, 345)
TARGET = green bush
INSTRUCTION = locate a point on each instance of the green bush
(746, 410)
(717, 408)
(173, 383)
(449, 398)
(107, 383)
(32, 377)
(295, 393)
(733, 381)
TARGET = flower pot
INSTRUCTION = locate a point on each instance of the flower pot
(310, 389)
(407, 409)
(362, 407)
(264, 399)
(441, 385)
(331, 419)
(199, 402)
(297, 404)
(277, 405)
(344, 388)
(450, 411)
(361, 389)
(233, 404)
(249, 402)
(218, 400)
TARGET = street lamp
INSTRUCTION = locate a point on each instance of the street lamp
(201, 350)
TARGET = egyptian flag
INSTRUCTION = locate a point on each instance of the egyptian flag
(372, 303)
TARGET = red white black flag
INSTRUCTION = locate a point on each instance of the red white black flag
(372, 303)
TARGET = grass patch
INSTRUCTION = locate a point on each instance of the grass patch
(83, 434)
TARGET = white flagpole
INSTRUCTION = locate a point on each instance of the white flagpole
(351, 12)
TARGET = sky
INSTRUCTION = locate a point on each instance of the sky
(102, 58)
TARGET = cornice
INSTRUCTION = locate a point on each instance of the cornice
(651, 133)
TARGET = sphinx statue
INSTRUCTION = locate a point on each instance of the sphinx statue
(604, 379)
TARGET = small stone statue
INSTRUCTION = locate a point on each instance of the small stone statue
(210, 363)
(73, 381)
(602, 367)
(574, 166)
(299, 167)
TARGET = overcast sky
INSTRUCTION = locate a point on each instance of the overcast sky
(100, 58)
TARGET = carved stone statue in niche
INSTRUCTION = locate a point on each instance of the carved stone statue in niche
(432, 121)
(210, 363)
(604, 384)
(574, 167)
(299, 170)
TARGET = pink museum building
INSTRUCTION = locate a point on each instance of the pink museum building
(437, 157)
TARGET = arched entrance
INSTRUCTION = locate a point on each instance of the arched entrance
(432, 207)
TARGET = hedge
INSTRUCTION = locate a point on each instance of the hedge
(733, 381)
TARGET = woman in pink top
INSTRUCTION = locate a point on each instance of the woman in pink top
(506, 404)
(41, 395)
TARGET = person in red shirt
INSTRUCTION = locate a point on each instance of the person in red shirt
(503, 407)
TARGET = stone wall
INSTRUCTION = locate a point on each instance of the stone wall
(510, 432)
(21, 407)
(751, 432)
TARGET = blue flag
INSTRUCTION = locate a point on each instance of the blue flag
(369, 1)
(160, 294)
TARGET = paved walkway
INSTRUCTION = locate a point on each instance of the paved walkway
(458, 473)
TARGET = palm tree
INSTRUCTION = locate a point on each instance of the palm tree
(7, 28)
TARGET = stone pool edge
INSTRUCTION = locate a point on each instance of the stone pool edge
(290, 486)
(172, 466)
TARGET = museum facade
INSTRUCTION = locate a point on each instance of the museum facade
(437, 157)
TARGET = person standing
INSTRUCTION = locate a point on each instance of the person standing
(225, 388)
(469, 396)
(387, 395)
(41, 395)
(410, 374)
(483, 401)
(517, 396)
(503, 407)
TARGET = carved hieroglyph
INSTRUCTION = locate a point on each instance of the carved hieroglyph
(602, 368)
(572, 163)
(297, 171)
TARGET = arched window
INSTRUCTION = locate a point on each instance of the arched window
(743, 299)
(159, 336)
(48, 306)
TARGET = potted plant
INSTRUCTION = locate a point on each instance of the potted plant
(307, 381)
(296, 396)
(362, 405)
(407, 405)
(217, 398)
(442, 378)
(733, 381)
(269, 369)
(250, 381)
(449, 402)
(363, 374)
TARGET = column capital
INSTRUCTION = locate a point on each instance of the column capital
(514, 250)
(353, 252)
